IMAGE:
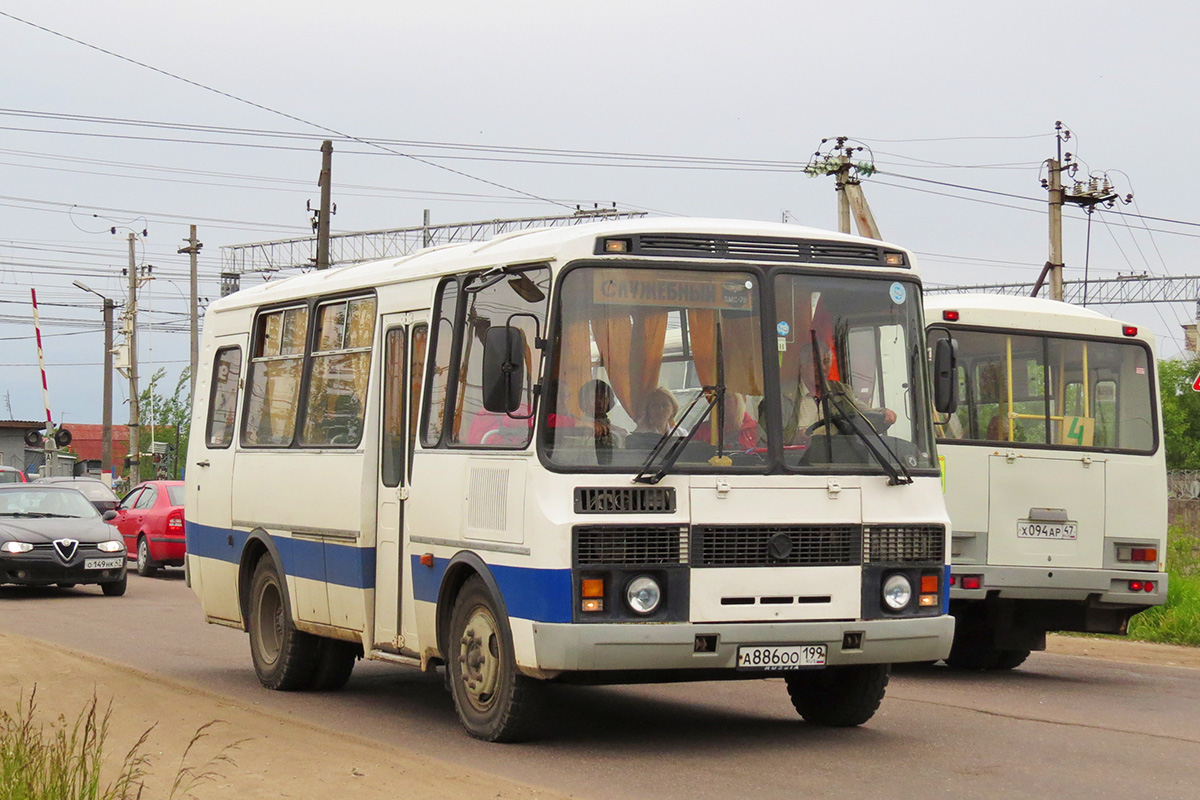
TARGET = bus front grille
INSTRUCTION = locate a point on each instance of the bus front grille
(624, 500)
(903, 543)
(776, 545)
(633, 545)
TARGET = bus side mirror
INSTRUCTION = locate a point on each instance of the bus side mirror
(945, 369)
(503, 368)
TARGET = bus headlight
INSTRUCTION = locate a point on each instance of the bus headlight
(643, 594)
(897, 591)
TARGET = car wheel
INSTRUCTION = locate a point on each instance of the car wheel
(145, 565)
(284, 658)
(495, 702)
(115, 588)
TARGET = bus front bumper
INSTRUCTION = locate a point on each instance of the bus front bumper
(675, 647)
(1110, 586)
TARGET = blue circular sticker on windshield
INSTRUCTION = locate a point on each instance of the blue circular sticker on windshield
(898, 293)
(783, 328)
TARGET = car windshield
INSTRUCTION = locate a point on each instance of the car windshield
(45, 501)
(92, 490)
(175, 494)
(661, 370)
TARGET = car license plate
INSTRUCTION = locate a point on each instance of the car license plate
(103, 563)
(1045, 530)
(780, 657)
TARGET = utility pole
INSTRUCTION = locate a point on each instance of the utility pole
(323, 214)
(839, 162)
(106, 450)
(131, 338)
(1096, 190)
(426, 234)
(193, 250)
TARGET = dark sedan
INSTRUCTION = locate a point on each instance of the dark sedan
(95, 490)
(52, 535)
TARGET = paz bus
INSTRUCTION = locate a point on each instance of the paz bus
(653, 450)
(1055, 474)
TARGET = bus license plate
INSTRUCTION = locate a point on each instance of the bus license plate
(781, 657)
(103, 563)
(1045, 530)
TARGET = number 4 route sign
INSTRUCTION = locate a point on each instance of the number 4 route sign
(1196, 384)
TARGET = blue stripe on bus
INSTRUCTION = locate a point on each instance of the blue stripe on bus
(340, 564)
(542, 595)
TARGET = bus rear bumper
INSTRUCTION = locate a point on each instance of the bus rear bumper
(675, 647)
(1108, 586)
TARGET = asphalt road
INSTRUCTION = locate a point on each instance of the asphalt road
(1059, 727)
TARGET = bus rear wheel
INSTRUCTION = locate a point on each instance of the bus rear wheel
(495, 702)
(838, 697)
(284, 658)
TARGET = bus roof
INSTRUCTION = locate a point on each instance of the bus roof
(533, 245)
(1025, 313)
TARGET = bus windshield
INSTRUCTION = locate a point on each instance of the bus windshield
(1051, 391)
(648, 358)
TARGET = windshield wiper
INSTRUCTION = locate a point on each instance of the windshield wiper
(894, 476)
(677, 443)
(716, 395)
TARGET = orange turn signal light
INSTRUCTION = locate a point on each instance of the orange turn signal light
(591, 587)
(929, 584)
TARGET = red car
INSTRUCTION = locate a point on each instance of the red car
(150, 519)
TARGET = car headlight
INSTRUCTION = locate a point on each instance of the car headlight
(16, 547)
(897, 591)
(643, 594)
(111, 546)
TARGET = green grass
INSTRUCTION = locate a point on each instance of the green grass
(1178, 621)
(64, 760)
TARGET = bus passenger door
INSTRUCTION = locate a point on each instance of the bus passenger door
(212, 556)
(402, 363)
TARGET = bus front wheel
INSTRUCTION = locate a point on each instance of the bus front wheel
(284, 658)
(495, 702)
(838, 697)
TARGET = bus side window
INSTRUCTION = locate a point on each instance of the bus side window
(273, 389)
(340, 367)
(222, 403)
(420, 337)
(445, 311)
(517, 299)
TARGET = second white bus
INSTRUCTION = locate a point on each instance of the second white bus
(1055, 474)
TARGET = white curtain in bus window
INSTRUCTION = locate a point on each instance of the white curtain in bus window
(341, 364)
(222, 406)
(274, 386)
(516, 299)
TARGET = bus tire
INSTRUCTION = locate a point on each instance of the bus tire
(495, 702)
(1009, 659)
(284, 658)
(838, 697)
(974, 648)
(335, 662)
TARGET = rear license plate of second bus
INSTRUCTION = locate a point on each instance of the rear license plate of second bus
(1045, 530)
(780, 657)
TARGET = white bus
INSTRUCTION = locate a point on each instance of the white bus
(1055, 474)
(587, 454)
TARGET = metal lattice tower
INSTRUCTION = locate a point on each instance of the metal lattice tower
(352, 248)
(1105, 291)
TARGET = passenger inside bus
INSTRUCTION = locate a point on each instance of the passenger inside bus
(658, 413)
(596, 401)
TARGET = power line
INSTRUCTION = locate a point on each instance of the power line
(270, 110)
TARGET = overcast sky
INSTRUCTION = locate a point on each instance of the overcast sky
(740, 95)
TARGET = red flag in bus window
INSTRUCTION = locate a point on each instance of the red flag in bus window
(1196, 384)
